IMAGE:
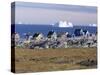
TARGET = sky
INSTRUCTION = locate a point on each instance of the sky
(47, 14)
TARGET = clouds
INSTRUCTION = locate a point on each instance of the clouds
(48, 14)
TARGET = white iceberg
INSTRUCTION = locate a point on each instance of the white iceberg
(20, 22)
(63, 24)
(93, 25)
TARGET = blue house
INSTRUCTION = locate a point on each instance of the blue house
(78, 32)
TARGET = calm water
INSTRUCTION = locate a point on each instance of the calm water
(21, 29)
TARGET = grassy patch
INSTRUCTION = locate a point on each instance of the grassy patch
(29, 60)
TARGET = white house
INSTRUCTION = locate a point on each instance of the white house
(52, 35)
(38, 36)
(17, 39)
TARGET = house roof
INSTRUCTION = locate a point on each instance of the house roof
(36, 35)
(50, 33)
(85, 31)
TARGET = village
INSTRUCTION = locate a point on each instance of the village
(56, 51)
(80, 38)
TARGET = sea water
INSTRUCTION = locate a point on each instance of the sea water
(23, 28)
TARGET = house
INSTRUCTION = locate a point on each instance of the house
(87, 34)
(63, 35)
(27, 35)
(15, 38)
(78, 32)
(52, 35)
(38, 36)
(62, 39)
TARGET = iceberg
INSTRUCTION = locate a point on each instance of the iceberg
(63, 24)
(93, 25)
